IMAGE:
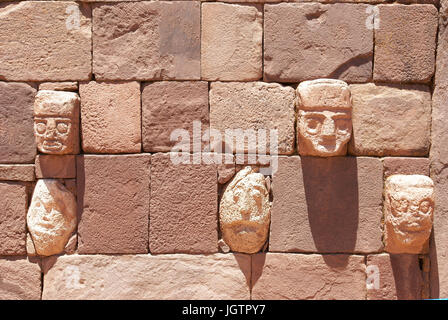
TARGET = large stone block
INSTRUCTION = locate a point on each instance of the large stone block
(231, 42)
(113, 199)
(20, 279)
(327, 205)
(305, 41)
(57, 167)
(17, 172)
(254, 106)
(180, 276)
(169, 106)
(405, 43)
(184, 207)
(147, 40)
(13, 203)
(405, 165)
(45, 40)
(279, 276)
(17, 143)
(390, 120)
(110, 117)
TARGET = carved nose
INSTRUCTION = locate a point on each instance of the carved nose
(328, 128)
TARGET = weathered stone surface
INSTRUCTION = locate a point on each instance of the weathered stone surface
(390, 120)
(70, 247)
(30, 248)
(53, 42)
(180, 276)
(327, 205)
(231, 42)
(147, 41)
(255, 107)
(51, 218)
(395, 276)
(408, 213)
(278, 276)
(245, 212)
(401, 165)
(110, 116)
(59, 86)
(324, 123)
(56, 122)
(16, 123)
(305, 41)
(17, 172)
(184, 205)
(21, 279)
(58, 167)
(113, 199)
(405, 43)
(172, 105)
(226, 171)
(13, 203)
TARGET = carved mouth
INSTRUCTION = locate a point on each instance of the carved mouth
(52, 145)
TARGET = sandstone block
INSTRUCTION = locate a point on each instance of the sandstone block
(401, 165)
(59, 86)
(305, 41)
(113, 199)
(16, 123)
(57, 167)
(231, 42)
(53, 45)
(147, 40)
(169, 106)
(279, 276)
(111, 117)
(17, 172)
(327, 205)
(13, 203)
(405, 43)
(184, 206)
(21, 279)
(390, 120)
(253, 110)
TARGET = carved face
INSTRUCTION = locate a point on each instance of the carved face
(53, 133)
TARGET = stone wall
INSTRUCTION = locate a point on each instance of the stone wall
(147, 79)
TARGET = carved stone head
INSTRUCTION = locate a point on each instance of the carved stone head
(56, 122)
(408, 213)
(245, 212)
(324, 123)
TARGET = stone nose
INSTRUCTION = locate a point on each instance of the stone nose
(51, 128)
(328, 128)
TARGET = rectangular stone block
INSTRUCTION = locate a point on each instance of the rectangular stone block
(20, 279)
(171, 105)
(147, 40)
(110, 117)
(174, 277)
(279, 276)
(113, 200)
(401, 165)
(184, 206)
(17, 143)
(17, 172)
(13, 204)
(56, 167)
(231, 42)
(392, 277)
(59, 86)
(254, 109)
(405, 43)
(54, 44)
(392, 120)
(327, 205)
(304, 41)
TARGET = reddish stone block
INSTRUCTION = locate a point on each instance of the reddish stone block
(17, 172)
(113, 200)
(59, 86)
(401, 165)
(57, 167)
(20, 279)
(184, 207)
(13, 201)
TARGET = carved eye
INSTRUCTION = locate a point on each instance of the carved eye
(41, 127)
(342, 125)
(425, 206)
(400, 204)
(62, 127)
(313, 125)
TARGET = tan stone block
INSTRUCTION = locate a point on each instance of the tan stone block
(21, 279)
(59, 86)
(148, 40)
(17, 172)
(401, 165)
(405, 43)
(180, 276)
(113, 199)
(231, 42)
(57, 167)
(392, 120)
(327, 205)
(53, 42)
(255, 108)
(110, 117)
(279, 276)
(304, 41)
